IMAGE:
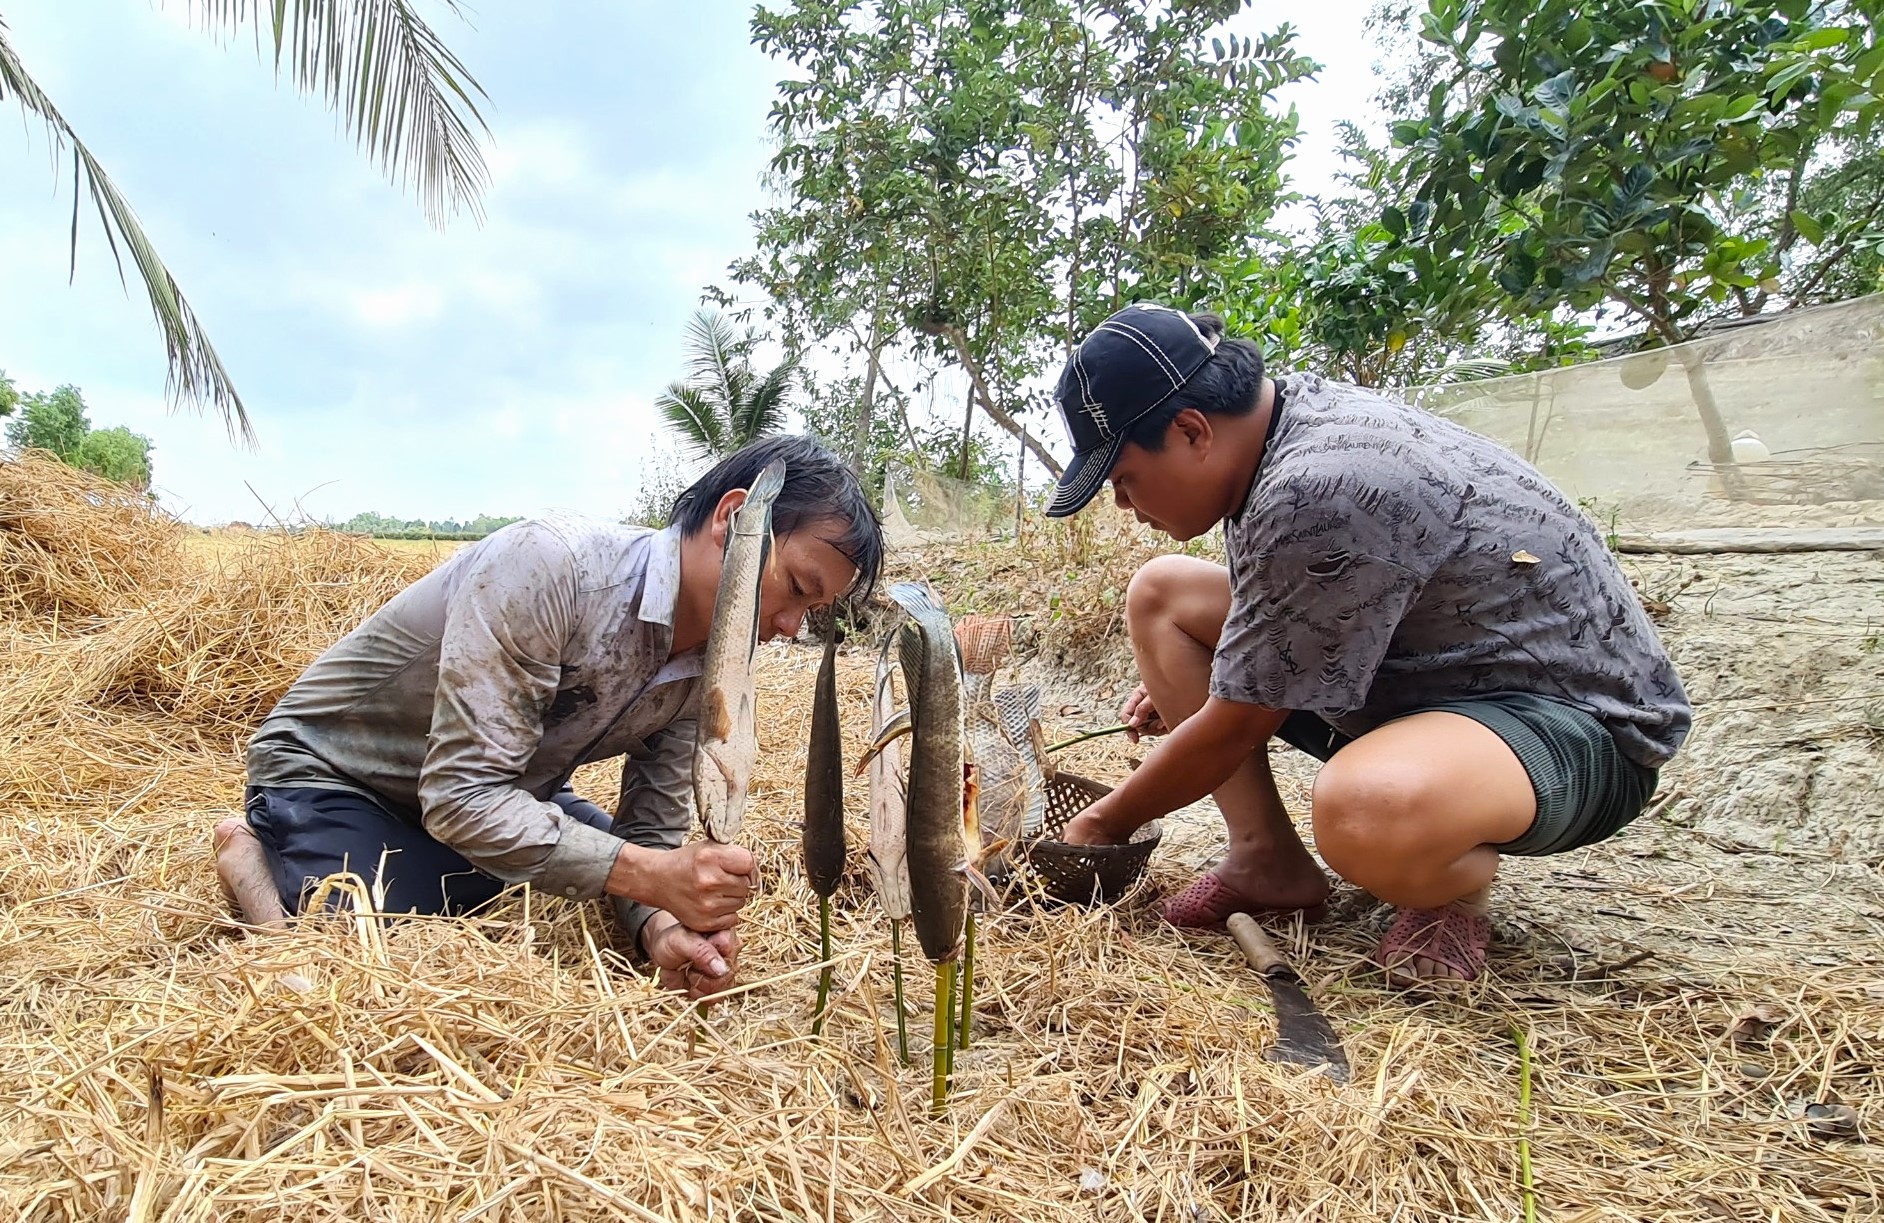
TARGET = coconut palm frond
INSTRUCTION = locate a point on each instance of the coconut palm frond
(196, 373)
(691, 414)
(714, 356)
(762, 411)
(399, 90)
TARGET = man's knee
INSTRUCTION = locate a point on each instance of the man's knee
(1174, 589)
(1373, 818)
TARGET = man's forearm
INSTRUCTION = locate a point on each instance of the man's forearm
(1197, 758)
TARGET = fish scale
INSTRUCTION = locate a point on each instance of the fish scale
(1019, 710)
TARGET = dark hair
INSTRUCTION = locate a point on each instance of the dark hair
(818, 485)
(1230, 383)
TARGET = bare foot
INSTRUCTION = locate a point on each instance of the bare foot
(247, 883)
(1286, 878)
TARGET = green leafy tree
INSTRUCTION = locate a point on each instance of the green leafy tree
(977, 181)
(9, 395)
(116, 454)
(57, 421)
(51, 420)
(1605, 148)
(724, 403)
(398, 90)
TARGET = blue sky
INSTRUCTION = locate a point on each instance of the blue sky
(502, 368)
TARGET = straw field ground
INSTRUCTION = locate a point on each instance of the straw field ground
(1681, 994)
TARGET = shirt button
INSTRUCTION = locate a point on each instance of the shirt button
(571, 890)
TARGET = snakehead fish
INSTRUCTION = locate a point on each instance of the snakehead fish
(824, 781)
(824, 810)
(728, 743)
(1020, 723)
(889, 834)
(938, 843)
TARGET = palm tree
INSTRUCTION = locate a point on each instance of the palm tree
(400, 92)
(724, 403)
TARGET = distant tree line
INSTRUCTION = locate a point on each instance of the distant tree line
(57, 421)
(379, 526)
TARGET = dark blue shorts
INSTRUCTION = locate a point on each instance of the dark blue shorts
(1587, 790)
(309, 834)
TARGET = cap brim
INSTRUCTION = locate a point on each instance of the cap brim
(1083, 479)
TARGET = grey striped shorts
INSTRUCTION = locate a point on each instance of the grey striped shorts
(1587, 790)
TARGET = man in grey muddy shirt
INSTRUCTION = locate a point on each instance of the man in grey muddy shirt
(1405, 600)
(430, 750)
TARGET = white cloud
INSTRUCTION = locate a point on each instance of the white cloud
(399, 305)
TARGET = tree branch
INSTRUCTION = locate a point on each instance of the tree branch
(978, 385)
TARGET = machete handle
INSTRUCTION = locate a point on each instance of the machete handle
(1255, 945)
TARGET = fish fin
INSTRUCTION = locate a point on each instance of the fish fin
(991, 850)
(980, 883)
(917, 598)
(885, 735)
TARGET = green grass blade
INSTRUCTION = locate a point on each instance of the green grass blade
(1525, 1178)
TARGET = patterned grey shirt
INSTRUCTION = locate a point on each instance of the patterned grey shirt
(470, 697)
(1381, 563)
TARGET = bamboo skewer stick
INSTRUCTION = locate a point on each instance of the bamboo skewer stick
(1525, 1180)
(896, 972)
(1091, 734)
(824, 974)
(941, 1058)
(968, 981)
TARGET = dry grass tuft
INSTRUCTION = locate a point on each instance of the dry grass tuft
(74, 545)
(155, 1065)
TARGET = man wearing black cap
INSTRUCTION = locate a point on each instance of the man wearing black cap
(1406, 601)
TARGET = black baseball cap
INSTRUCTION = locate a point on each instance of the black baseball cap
(1128, 367)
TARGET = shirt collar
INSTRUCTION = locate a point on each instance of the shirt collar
(660, 581)
(660, 592)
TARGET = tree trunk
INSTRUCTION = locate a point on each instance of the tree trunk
(1708, 541)
(968, 426)
(978, 388)
(860, 440)
(1720, 447)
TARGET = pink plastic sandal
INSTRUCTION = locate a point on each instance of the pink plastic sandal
(1458, 938)
(1208, 902)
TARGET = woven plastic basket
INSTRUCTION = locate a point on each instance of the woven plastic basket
(1085, 873)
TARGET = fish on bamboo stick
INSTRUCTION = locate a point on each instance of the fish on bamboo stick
(936, 846)
(727, 746)
(1011, 786)
(824, 811)
(889, 864)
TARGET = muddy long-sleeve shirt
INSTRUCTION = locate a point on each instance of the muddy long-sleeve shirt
(468, 700)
